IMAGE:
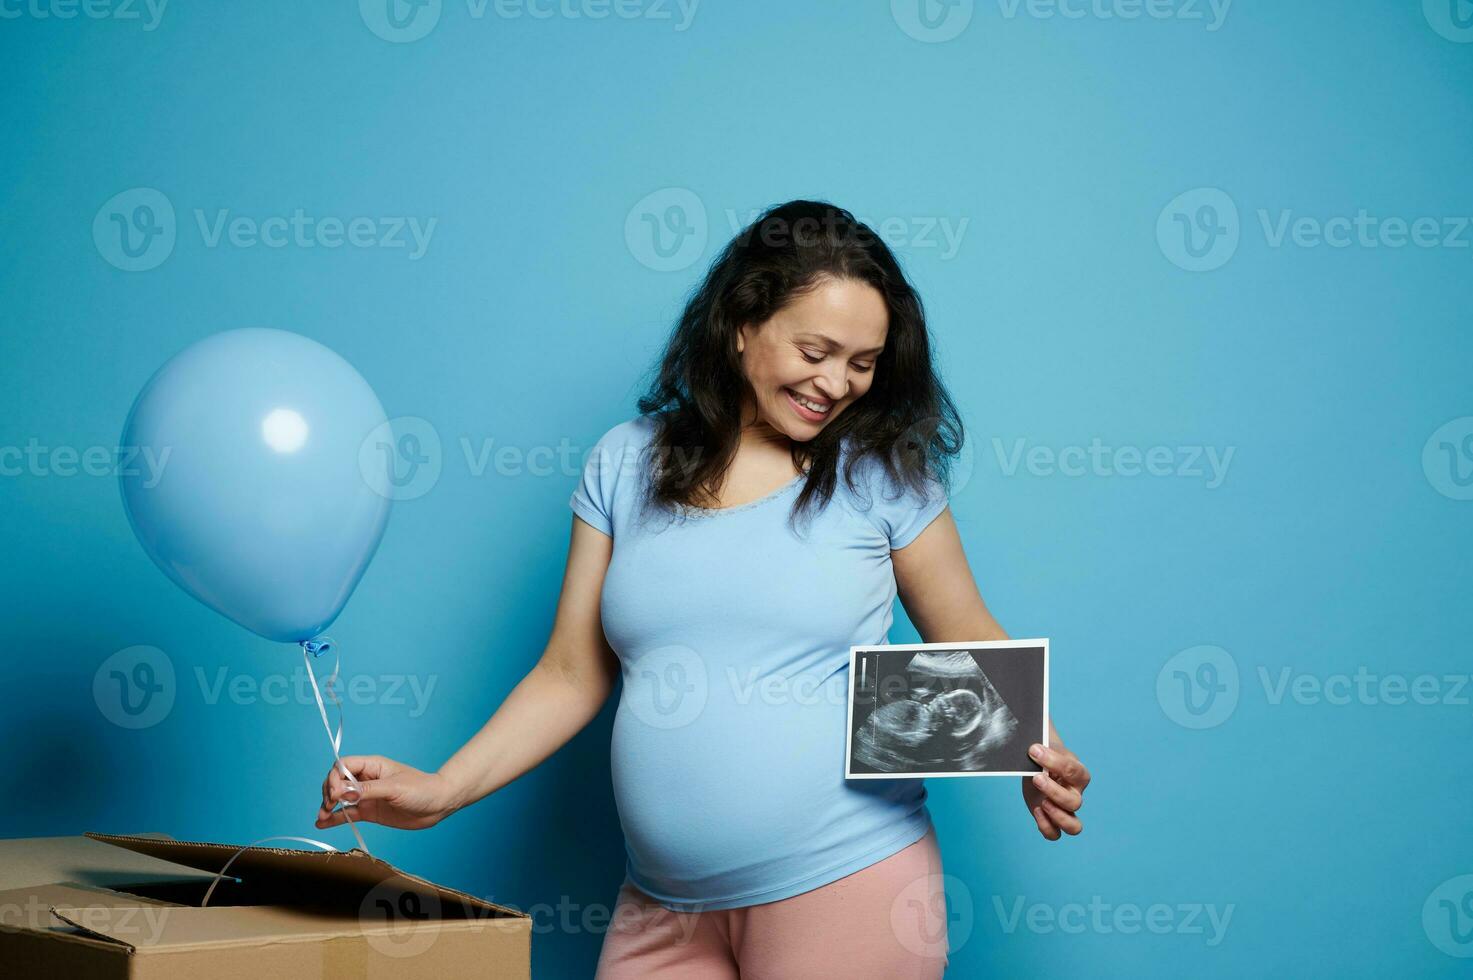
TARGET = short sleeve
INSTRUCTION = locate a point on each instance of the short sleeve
(593, 498)
(900, 512)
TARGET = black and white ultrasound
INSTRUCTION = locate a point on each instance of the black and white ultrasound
(958, 711)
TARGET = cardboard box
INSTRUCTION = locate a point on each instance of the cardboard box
(109, 906)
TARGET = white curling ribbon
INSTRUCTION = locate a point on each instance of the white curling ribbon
(315, 648)
(221, 873)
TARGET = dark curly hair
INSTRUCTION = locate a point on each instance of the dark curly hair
(906, 420)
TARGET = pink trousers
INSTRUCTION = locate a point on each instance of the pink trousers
(886, 921)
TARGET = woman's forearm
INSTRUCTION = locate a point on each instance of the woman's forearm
(540, 715)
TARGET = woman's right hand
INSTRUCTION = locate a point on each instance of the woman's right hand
(391, 794)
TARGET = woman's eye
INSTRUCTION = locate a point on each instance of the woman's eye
(863, 368)
(810, 359)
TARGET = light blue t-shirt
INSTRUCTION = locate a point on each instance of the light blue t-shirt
(733, 633)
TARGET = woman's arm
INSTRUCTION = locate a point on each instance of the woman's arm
(559, 696)
(941, 598)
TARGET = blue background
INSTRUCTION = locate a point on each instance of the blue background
(1060, 319)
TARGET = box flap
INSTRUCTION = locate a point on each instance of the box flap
(159, 928)
(28, 862)
(28, 909)
(301, 870)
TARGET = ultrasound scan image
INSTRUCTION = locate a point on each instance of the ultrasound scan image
(948, 718)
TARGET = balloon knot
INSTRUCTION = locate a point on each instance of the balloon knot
(317, 647)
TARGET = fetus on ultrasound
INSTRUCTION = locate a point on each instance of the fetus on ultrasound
(950, 719)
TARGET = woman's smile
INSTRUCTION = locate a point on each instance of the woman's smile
(808, 409)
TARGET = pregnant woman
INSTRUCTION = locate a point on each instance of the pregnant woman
(782, 484)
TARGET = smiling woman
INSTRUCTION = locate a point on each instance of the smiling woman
(804, 335)
(798, 383)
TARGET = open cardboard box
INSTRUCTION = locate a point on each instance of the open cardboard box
(82, 907)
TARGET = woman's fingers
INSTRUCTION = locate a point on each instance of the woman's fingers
(1063, 819)
(1062, 764)
(1045, 825)
(1066, 797)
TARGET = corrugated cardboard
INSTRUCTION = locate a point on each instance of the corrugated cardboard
(111, 906)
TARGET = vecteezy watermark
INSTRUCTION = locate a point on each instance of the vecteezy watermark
(666, 687)
(40, 460)
(1200, 230)
(1199, 687)
(400, 919)
(403, 458)
(1194, 462)
(148, 13)
(667, 230)
(1447, 917)
(1211, 13)
(917, 233)
(402, 21)
(136, 230)
(934, 21)
(145, 924)
(670, 687)
(1453, 19)
(136, 687)
(395, 690)
(1101, 918)
(1447, 459)
(933, 915)
(136, 925)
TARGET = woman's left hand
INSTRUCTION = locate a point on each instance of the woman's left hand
(1055, 795)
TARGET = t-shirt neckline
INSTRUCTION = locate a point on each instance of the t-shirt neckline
(716, 511)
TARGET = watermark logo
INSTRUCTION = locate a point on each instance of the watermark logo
(932, 21)
(941, 234)
(398, 919)
(400, 21)
(1447, 917)
(135, 687)
(1198, 687)
(147, 12)
(1195, 462)
(666, 687)
(401, 459)
(666, 230)
(40, 460)
(135, 230)
(1453, 19)
(933, 915)
(914, 444)
(1447, 459)
(412, 691)
(1199, 230)
(1213, 13)
(1102, 918)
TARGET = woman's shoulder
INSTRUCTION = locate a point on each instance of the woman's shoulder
(889, 501)
(637, 431)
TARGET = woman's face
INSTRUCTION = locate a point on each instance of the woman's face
(821, 347)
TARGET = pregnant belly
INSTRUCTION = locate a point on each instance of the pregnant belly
(738, 788)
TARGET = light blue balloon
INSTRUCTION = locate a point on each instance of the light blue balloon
(268, 496)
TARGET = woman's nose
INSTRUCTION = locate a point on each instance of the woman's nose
(835, 384)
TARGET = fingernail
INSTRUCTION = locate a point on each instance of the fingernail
(1038, 780)
(1036, 751)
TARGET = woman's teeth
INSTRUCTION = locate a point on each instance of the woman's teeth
(811, 406)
